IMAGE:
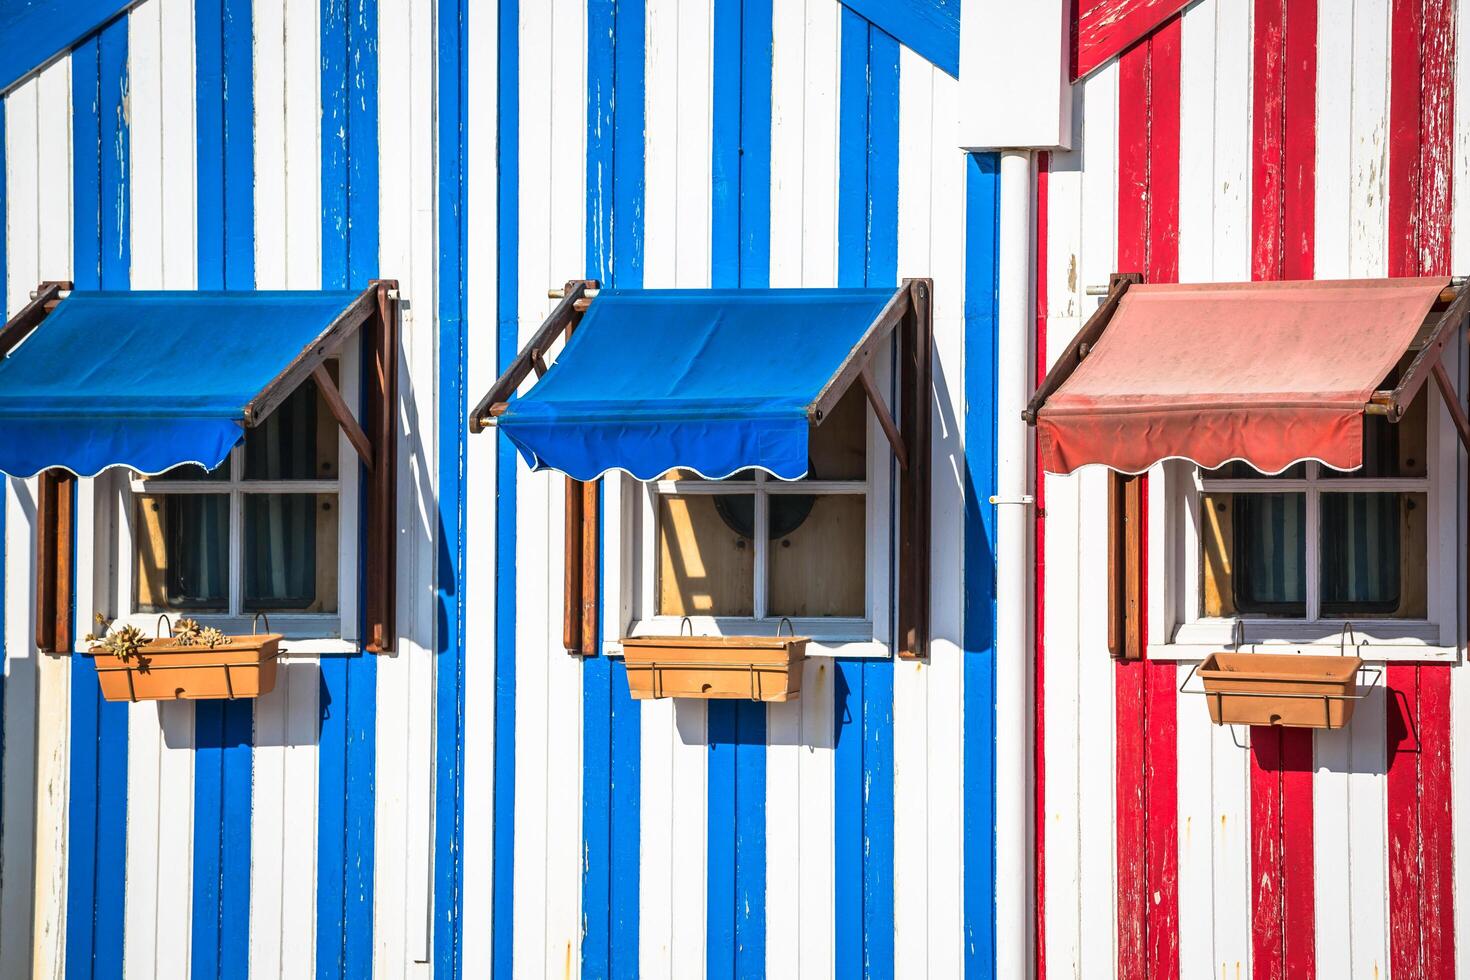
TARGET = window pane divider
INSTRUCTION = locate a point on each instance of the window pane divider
(1313, 571)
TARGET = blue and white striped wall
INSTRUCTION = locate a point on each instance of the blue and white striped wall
(480, 803)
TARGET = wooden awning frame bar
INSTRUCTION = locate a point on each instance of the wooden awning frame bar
(376, 445)
(562, 318)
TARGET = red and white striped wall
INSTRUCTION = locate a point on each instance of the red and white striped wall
(1246, 139)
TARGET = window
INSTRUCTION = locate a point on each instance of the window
(1296, 555)
(740, 554)
(260, 533)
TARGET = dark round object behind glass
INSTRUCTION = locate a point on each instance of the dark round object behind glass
(788, 511)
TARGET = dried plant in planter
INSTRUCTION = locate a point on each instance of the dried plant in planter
(123, 642)
(186, 632)
(211, 637)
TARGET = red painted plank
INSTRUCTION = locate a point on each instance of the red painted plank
(1420, 868)
(1298, 882)
(1161, 735)
(1103, 29)
(1144, 692)
(1283, 922)
(1404, 903)
(1266, 886)
(1043, 197)
(1285, 137)
(1284, 124)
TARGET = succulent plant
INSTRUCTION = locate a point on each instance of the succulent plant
(123, 642)
(211, 637)
(186, 633)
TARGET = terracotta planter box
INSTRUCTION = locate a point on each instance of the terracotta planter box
(752, 668)
(245, 667)
(1294, 691)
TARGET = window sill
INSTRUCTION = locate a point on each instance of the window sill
(846, 638)
(1377, 640)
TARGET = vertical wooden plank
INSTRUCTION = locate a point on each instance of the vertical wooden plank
(482, 220)
(672, 885)
(689, 889)
(161, 784)
(804, 247)
(1098, 736)
(565, 248)
(1421, 104)
(405, 685)
(1147, 828)
(533, 511)
(285, 787)
(1349, 783)
(1284, 180)
(911, 776)
(50, 238)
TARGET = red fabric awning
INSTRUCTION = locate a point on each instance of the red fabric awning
(1266, 372)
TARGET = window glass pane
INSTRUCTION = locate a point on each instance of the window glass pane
(1217, 551)
(1373, 555)
(819, 567)
(183, 552)
(298, 441)
(291, 552)
(1270, 553)
(838, 447)
(705, 568)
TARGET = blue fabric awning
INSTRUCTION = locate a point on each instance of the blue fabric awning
(710, 380)
(150, 380)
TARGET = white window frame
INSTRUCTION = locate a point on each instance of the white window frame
(314, 633)
(1175, 597)
(630, 562)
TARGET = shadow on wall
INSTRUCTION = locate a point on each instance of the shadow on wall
(286, 726)
(1358, 749)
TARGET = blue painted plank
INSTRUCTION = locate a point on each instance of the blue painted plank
(4, 503)
(507, 191)
(611, 719)
(847, 819)
(97, 825)
(449, 592)
(347, 744)
(930, 27)
(867, 238)
(224, 731)
(982, 214)
(735, 859)
(740, 223)
(32, 32)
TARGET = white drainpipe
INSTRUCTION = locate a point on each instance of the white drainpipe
(1015, 514)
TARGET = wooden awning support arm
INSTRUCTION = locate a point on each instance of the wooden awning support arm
(337, 405)
(885, 418)
(1396, 402)
(563, 316)
(43, 301)
(1452, 402)
(1081, 344)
